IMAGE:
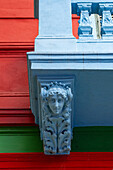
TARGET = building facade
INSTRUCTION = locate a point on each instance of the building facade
(92, 127)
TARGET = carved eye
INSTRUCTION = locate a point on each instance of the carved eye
(53, 100)
(59, 100)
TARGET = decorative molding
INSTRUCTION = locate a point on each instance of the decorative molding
(14, 94)
(94, 5)
(84, 7)
(16, 117)
(92, 1)
(56, 118)
(105, 7)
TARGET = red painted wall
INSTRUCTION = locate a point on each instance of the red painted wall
(18, 29)
(16, 9)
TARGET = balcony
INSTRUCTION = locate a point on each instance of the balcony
(89, 23)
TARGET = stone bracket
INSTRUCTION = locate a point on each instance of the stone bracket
(55, 115)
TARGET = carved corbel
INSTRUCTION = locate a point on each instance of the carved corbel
(56, 118)
(85, 29)
(106, 10)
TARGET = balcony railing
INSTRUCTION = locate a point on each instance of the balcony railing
(85, 8)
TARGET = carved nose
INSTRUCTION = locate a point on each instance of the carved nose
(56, 104)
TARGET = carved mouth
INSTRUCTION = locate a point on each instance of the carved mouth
(56, 111)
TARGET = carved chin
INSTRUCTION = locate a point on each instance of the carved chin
(56, 111)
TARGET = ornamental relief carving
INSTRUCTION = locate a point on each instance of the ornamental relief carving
(56, 118)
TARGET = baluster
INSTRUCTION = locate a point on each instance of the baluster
(107, 22)
(85, 29)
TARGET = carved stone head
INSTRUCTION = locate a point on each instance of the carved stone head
(56, 101)
(57, 95)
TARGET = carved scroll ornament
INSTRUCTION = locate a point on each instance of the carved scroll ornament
(56, 118)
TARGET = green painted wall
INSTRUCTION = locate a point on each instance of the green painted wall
(20, 139)
(27, 139)
(92, 139)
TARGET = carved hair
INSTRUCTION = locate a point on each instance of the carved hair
(57, 88)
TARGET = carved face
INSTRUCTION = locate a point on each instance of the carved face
(56, 103)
